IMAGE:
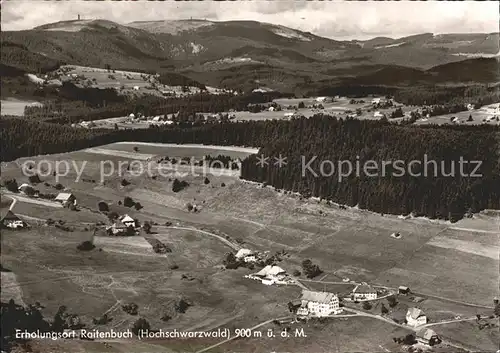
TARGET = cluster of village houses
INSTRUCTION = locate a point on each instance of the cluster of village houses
(122, 225)
(323, 304)
(12, 221)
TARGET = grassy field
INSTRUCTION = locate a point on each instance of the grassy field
(179, 151)
(13, 106)
(334, 335)
(91, 283)
(433, 258)
(485, 340)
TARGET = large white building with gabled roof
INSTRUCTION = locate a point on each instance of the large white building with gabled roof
(319, 304)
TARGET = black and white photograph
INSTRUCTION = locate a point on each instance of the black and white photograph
(250, 176)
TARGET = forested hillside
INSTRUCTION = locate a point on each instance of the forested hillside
(327, 138)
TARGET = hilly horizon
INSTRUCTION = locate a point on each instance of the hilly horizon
(263, 54)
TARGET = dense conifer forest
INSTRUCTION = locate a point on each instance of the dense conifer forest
(327, 138)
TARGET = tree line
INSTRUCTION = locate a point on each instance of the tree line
(94, 104)
(327, 138)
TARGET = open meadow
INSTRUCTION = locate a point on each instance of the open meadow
(453, 269)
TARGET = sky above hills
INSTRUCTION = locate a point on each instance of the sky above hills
(335, 19)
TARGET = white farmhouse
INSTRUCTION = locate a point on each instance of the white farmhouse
(322, 99)
(364, 292)
(415, 317)
(127, 221)
(270, 275)
(376, 100)
(246, 255)
(318, 304)
(10, 220)
(378, 115)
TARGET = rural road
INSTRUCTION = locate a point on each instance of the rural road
(33, 201)
(14, 201)
(222, 239)
(448, 322)
(414, 293)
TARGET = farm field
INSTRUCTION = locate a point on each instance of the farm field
(434, 258)
(485, 340)
(333, 335)
(126, 82)
(93, 282)
(13, 106)
(173, 150)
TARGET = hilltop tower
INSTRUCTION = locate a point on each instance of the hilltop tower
(78, 17)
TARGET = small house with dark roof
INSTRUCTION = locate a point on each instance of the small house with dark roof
(403, 290)
(364, 292)
(428, 337)
(10, 220)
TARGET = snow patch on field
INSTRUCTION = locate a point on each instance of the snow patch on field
(35, 79)
(132, 245)
(477, 55)
(289, 33)
(124, 154)
(390, 45)
(171, 27)
(470, 247)
(250, 150)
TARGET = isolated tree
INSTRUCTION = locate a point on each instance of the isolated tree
(136, 149)
(179, 185)
(222, 185)
(181, 306)
(230, 261)
(34, 179)
(367, 305)
(138, 206)
(128, 202)
(29, 191)
(310, 270)
(147, 227)
(113, 216)
(11, 185)
(59, 186)
(392, 301)
(166, 317)
(103, 206)
(296, 273)
(206, 181)
(87, 245)
(124, 182)
(301, 105)
(189, 207)
(383, 309)
(131, 308)
(139, 326)
(470, 118)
